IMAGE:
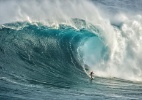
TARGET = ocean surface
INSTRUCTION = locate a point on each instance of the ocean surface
(49, 47)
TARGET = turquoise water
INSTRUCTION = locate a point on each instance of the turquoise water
(48, 52)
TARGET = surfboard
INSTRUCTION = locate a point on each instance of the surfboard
(91, 78)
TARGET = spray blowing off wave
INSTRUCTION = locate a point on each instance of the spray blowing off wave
(124, 57)
(108, 46)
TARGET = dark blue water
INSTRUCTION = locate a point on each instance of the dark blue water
(51, 58)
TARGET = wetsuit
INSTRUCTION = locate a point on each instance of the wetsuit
(91, 74)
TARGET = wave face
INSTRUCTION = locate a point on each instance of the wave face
(49, 48)
(38, 53)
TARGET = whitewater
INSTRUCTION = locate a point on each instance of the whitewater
(48, 49)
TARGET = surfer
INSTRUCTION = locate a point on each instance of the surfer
(91, 74)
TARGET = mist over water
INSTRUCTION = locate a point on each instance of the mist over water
(121, 34)
(57, 43)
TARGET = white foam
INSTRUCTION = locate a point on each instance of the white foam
(124, 44)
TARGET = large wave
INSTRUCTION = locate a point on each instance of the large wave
(33, 52)
(52, 44)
